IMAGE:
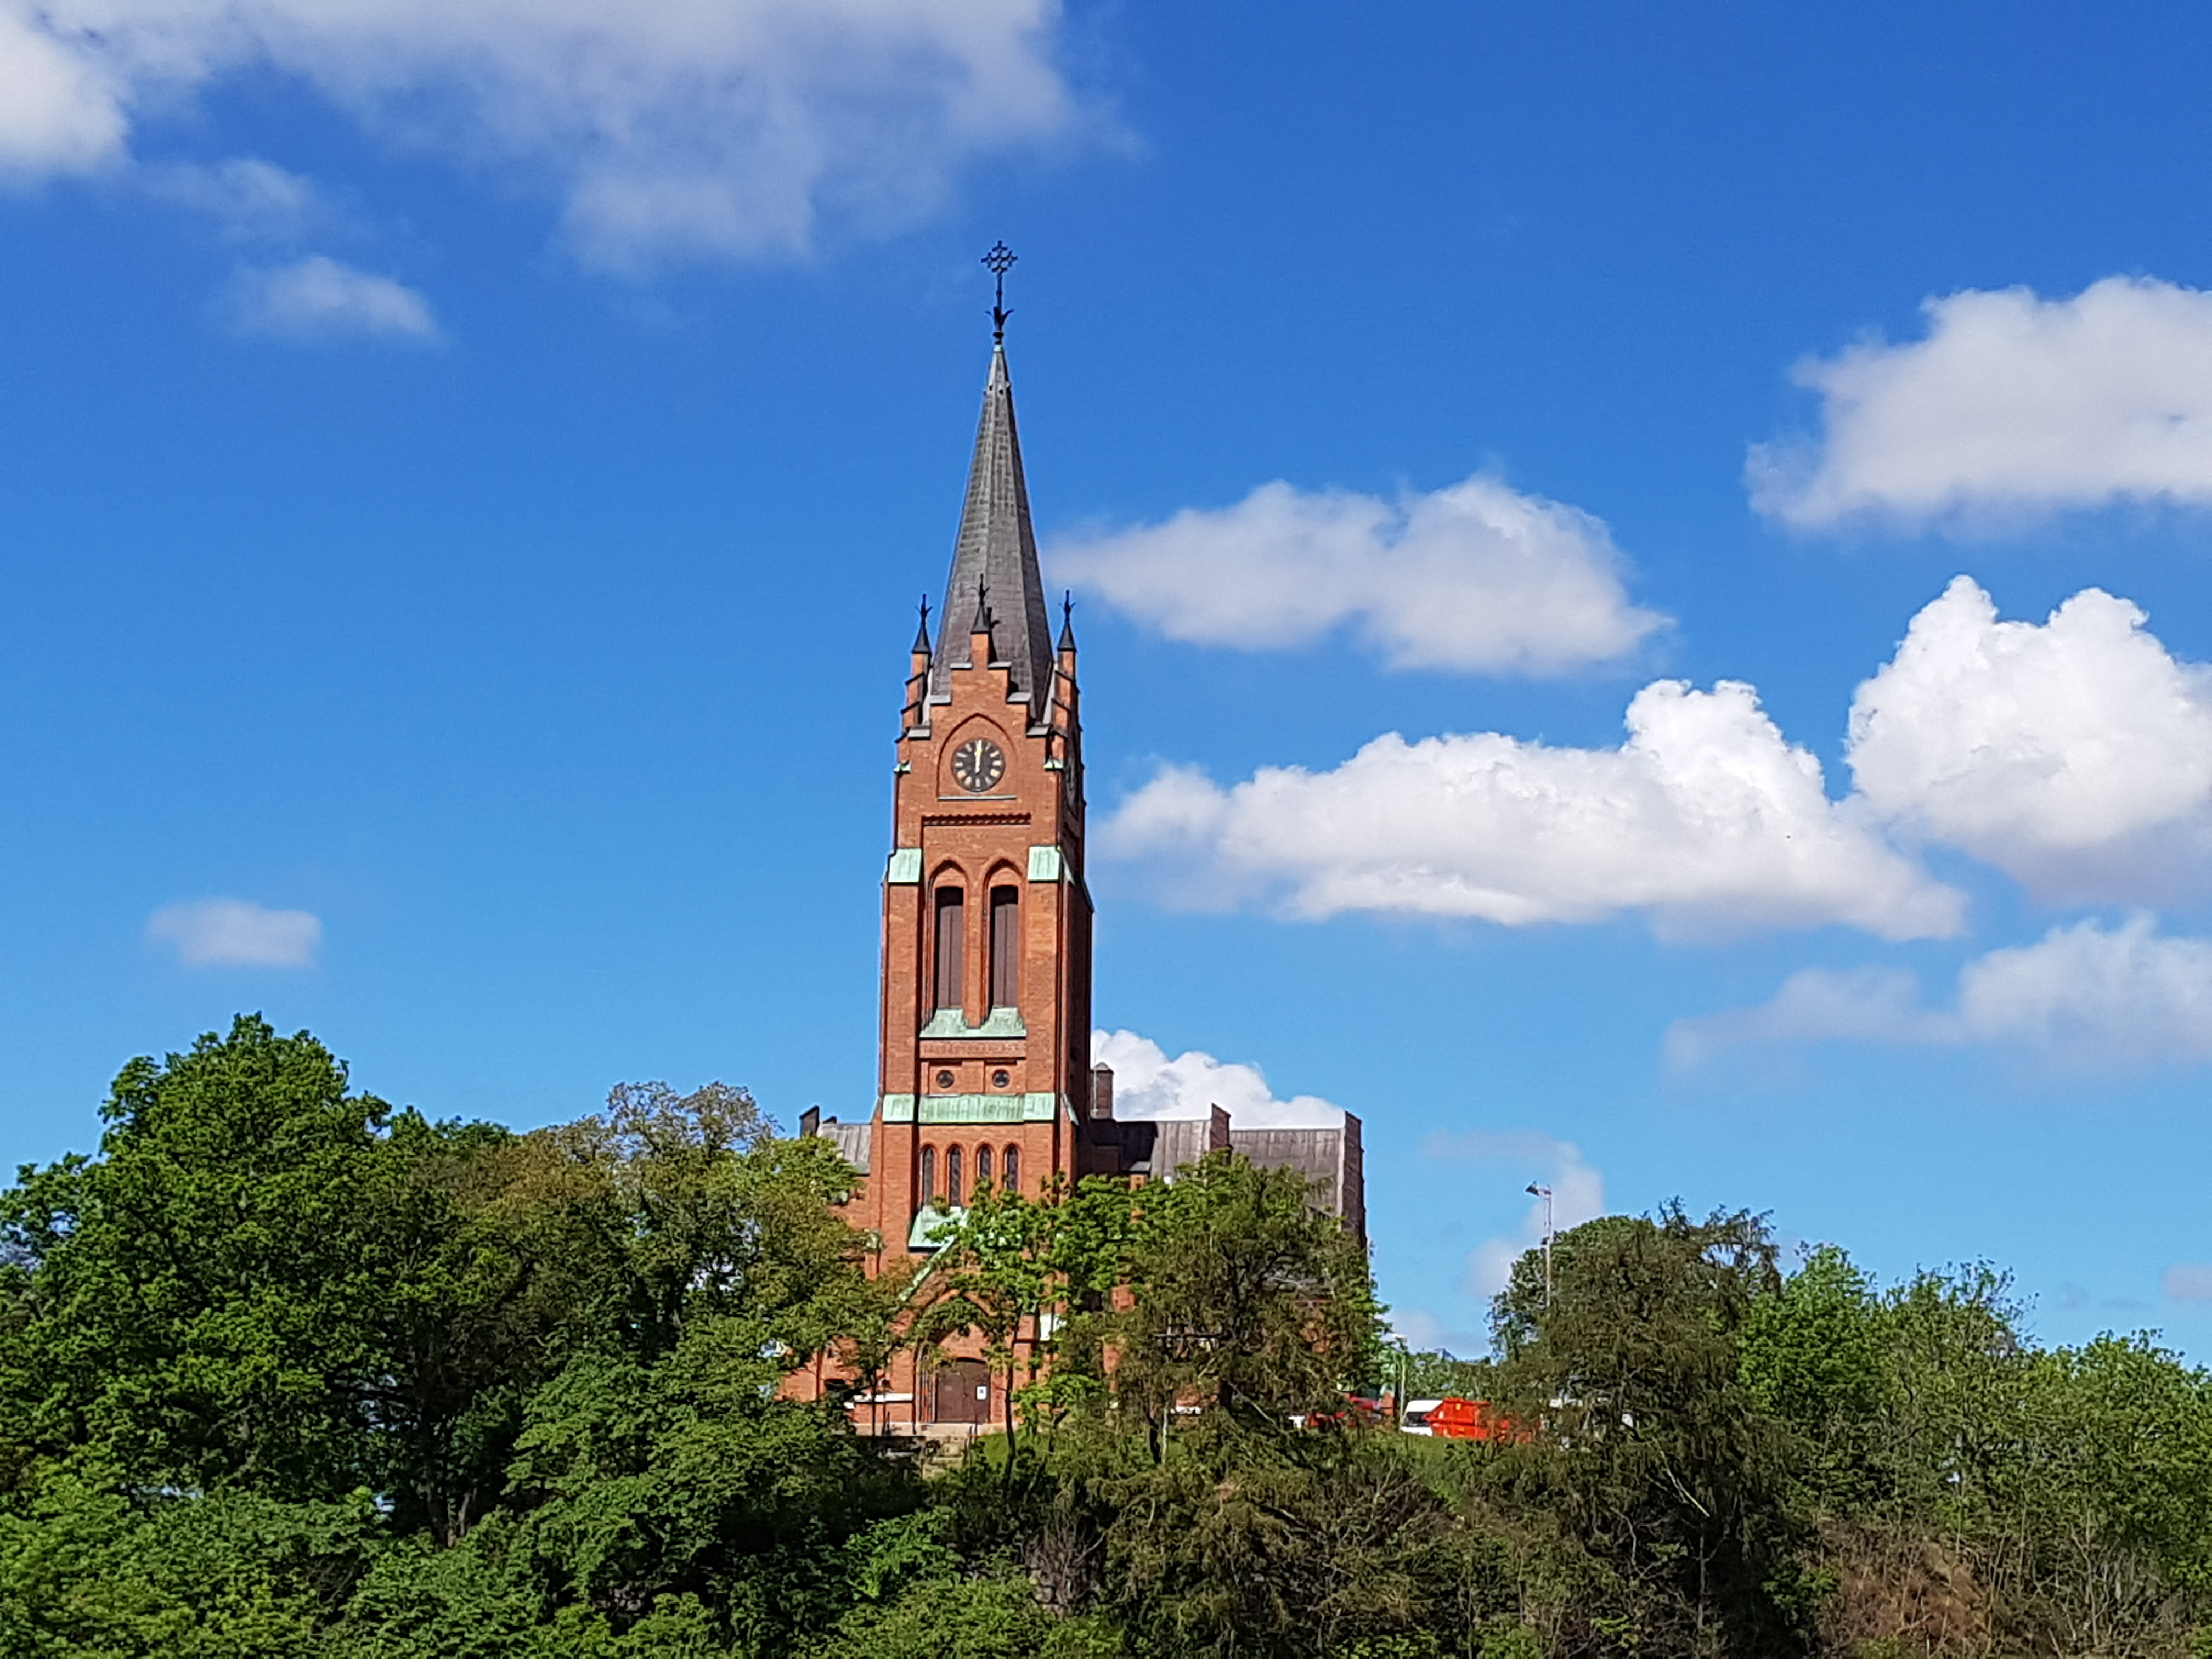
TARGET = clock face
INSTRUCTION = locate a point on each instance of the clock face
(977, 765)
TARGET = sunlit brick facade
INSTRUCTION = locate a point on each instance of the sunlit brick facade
(987, 944)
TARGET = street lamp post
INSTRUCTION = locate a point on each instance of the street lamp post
(1398, 1397)
(1545, 1192)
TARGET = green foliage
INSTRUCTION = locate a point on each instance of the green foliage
(286, 1371)
(1438, 1375)
(88, 1573)
(1660, 1468)
(1245, 1300)
(1326, 1544)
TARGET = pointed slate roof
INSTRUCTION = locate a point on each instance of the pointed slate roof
(997, 548)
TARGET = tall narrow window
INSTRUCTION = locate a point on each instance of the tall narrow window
(951, 945)
(1006, 946)
(951, 1175)
(929, 1188)
(982, 1168)
(1012, 1177)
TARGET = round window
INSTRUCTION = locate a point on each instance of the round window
(944, 1079)
(1000, 1078)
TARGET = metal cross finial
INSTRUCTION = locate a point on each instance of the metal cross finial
(999, 261)
(925, 613)
(1067, 607)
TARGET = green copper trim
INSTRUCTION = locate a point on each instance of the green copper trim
(1045, 864)
(905, 867)
(976, 1109)
(998, 1022)
(932, 1226)
(898, 1109)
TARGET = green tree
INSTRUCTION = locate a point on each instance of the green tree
(199, 1300)
(88, 1572)
(1041, 1271)
(1656, 1461)
(1243, 1298)
(1815, 1356)
(266, 1280)
(1434, 1374)
(1323, 1544)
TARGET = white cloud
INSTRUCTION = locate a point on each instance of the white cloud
(1577, 1194)
(2012, 405)
(317, 298)
(672, 128)
(228, 933)
(1148, 1085)
(248, 198)
(1705, 819)
(2075, 754)
(1474, 577)
(2120, 994)
(2189, 1281)
(2087, 996)
(1816, 1005)
(58, 114)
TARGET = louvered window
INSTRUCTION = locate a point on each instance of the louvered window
(1005, 947)
(951, 945)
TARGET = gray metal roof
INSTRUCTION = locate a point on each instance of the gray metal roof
(997, 547)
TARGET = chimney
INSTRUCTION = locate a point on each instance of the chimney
(1217, 1131)
(809, 1123)
(1102, 1092)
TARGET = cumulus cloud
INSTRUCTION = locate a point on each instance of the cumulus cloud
(670, 128)
(61, 113)
(1577, 1194)
(1474, 577)
(2075, 754)
(248, 199)
(2012, 405)
(2089, 996)
(1705, 820)
(1815, 1004)
(2189, 1281)
(1149, 1084)
(228, 933)
(318, 298)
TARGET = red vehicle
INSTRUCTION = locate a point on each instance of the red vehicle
(1453, 1418)
(1359, 1408)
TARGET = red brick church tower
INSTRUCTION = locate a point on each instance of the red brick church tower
(986, 1037)
(986, 1073)
(987, 922)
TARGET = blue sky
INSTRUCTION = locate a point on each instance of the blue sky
(465, 472)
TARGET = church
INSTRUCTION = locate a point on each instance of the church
(986, 1072)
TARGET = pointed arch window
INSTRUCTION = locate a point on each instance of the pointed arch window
(1005, 947)
(1010, 1176)
(951, 947)
(953, 1176)
(982, 1168)
(928, 1185)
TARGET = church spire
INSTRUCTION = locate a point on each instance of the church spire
(997, 547)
